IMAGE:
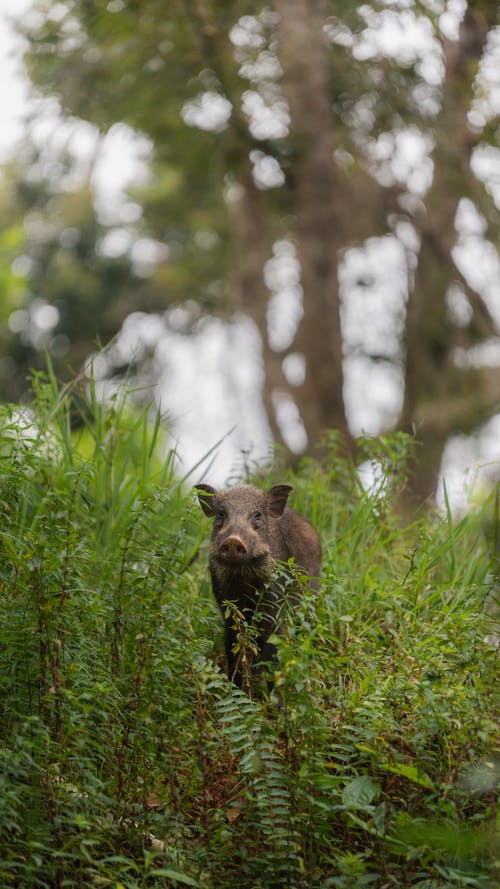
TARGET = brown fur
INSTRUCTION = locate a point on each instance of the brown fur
(252, 531)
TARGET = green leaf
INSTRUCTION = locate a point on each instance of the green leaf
(174, 875)
(411, 772)
(360, 792)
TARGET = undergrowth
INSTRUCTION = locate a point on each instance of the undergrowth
(127, 759)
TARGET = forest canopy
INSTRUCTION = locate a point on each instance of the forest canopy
(319, 171)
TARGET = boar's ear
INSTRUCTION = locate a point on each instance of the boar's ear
(277, 497)
(206, 496)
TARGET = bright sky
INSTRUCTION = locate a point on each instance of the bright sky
(14, 84)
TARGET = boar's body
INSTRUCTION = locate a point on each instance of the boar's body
(252, 531)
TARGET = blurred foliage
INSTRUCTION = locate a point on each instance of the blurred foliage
(55, 263)
(203, 81)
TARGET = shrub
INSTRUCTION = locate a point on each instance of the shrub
(128, 759)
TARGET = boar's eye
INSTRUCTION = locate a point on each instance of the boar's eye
(257, 515)
(220, 514)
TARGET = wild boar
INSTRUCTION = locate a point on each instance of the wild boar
(254, 530)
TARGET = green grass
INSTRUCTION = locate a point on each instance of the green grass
(126, 757)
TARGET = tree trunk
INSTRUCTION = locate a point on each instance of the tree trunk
(432, 381)
(305, 83)
(251, 245)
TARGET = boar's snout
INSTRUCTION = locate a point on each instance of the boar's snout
(233, 549)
